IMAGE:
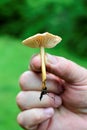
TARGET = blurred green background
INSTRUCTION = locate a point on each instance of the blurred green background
(20, 19)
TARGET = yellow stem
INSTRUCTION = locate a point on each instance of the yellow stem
(43, 68)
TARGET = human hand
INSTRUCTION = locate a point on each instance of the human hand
(66, 83)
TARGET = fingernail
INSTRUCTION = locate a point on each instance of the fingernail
(49, 112)
(36, 63)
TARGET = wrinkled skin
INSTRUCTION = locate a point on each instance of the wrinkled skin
(65, 106)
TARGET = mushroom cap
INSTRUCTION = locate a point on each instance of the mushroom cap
(47, 40)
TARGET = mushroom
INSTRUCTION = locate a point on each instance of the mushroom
(45, 40)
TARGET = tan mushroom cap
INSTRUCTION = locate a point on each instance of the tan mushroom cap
(47, 40)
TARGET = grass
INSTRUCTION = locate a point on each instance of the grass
(14, 60)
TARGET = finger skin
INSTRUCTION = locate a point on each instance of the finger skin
(30, 99)
(64, 68)
(75, 94)
(31, 81)
(26, 120)
(74, 97)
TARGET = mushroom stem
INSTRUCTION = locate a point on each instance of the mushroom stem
(43, 67)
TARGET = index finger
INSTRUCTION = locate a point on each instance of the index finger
(61, 67)
(31, 81)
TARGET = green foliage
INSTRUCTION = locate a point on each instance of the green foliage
(13, 62)
(77, 40)
(23, 18)
(68, 18)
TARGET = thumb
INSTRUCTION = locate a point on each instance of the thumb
(65, 69)
(61, 67)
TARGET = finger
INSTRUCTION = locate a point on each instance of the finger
(30, 99)
(32, 81)
(61, 67)
(27, 121)
(46, 124)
